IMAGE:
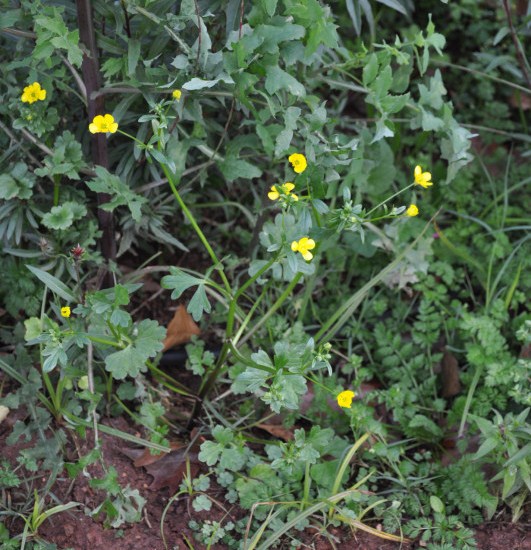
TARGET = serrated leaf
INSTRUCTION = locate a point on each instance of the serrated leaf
(59, 218)
(199, 303)
(126, 362)
(277, 80)
(179, 281)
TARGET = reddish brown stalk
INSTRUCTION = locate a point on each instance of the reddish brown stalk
(95, 106)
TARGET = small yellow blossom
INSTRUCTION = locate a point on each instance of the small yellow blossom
(103, 124)
(33, 93)
(304, 246)
(344, 399)
(298, 162)
(65, 312)
(176, 94)
(422, 178)
(286, 189)
(412, 210)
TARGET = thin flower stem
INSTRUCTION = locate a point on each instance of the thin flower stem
(103, 341)
(389, 198)
(196, 227)
(281, 299)
(241, 290)
(141, 143)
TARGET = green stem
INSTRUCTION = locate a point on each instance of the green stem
(141, 143)
(99, 340)
(470, 395)
(56, 192)
(280, 300)
(389, 198)
(196, 227)
(307, 484)
(241, 290)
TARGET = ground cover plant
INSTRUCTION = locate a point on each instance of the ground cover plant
(264, 274)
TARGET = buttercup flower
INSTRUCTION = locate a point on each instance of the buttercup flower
(33, 93)
(422, 178)
(304, 246)
(103, 124)
(176, 94)
(344, 399)
(412, 210)
(298, 162)
(286, 189)
(65, 312)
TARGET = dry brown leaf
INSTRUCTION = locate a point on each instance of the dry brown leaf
(277, 431)
(450, 375)
(167, 469)
(181, 329)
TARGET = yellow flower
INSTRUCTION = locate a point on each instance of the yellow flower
(344, 399)
(286, 189)
(422, 178)
(412, 210)
(176, 94)
(65, 312)
(103, 124)
(298, 162)
(304, 246)
(33, 93)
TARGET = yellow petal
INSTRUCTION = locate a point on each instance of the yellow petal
(310, 244)
(273, 195)
(307, 255)
(418, 171)
(288, 187)
(93, 128)
(113, 128)
(294, 246)
(42, 94)
(294, 197)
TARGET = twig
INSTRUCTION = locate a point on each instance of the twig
(127, 25)
(517, 47)
(77, 78)
(90, 374)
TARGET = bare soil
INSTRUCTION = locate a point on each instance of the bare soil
(78, 531)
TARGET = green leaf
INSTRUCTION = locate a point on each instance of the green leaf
(201, 503)
(199, 303)
(277, 80)
(437, 504)
(54, 284)
(133, 55)
(370, 70)
(233, 168)
(59, 217)
(394, 4)
(149, 337)
(131, 360)
(269, 6)
(121, 194)
(126, 362)
(33, 328)
(486, 447)
(179, 281)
